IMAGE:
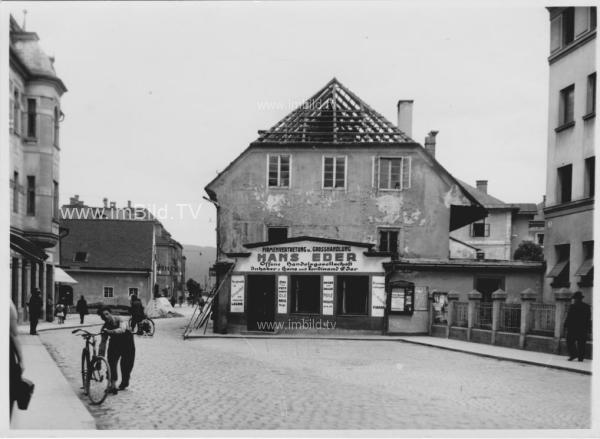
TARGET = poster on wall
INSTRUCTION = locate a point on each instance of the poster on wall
(282, 294)
(377, 296)
(440, 307)
(402, 299)
(237, 294)
(421, 298)
(328, 295)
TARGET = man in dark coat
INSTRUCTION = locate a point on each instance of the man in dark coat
(35, 305)
(577, 325)
(82, 309)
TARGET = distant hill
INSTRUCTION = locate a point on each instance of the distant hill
(198, 261)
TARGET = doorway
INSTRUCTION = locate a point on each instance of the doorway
(260, 312)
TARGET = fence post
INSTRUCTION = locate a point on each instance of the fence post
(498, 296)
(562, 298)
(452, 298)
(474, 298)
(527, 296)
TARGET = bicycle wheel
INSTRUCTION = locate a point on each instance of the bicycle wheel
(98, 380)
(149, 327)
(85, 356)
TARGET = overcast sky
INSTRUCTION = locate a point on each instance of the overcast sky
(163, 95)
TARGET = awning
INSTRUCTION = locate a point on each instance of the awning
(60, 277)
(558, 269)
(586, 268)
(28, 248)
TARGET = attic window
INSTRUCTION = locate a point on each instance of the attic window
(80, 257)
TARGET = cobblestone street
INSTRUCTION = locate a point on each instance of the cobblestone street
(325, 384)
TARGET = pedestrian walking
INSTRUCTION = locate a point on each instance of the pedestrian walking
(121, 347)
(173, 301)
(577, 325)
(82, 309)
(34, 305)
(137, 313)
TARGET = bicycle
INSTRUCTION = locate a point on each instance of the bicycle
(95, 372)
(144, 326)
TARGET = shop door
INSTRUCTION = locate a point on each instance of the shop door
(261, 303)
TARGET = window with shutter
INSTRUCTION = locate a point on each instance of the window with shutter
(394, 173)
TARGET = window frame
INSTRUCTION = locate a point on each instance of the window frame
(590, 97)
(32, 112)
(589, 176)
(334, 177)
(560, 190)
(112, 292)
(388, 230)
(401, 176)
(486, 229)
(279, 186)
(563, 107)
(78, 260)
(15, 191)
(30, 204)
(287, 232)
(137, 290)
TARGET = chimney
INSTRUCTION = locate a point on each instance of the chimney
(405, 110)
(105, 202)
(482, 185)
(430, 142)
(129, 204)
(74, 201)
(113, 205)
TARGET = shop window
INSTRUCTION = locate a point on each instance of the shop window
(388, 241)
(352, 294)
(590, 177)
(560, 272)
(480, 229)
(334, 172)
(279, 171)
(586, 271)
(31, 118)
(31, 195)
(564, 182)
(306, 294)
(15, 192)
(108, 292)
(487, 285)
(80, 257)
(133, 291)
(566, 106)
(277, 234)
(590, 103)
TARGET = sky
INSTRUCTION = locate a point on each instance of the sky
(162, 96)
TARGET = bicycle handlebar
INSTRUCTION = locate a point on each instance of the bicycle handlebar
(85, 333)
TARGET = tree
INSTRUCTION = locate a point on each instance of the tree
(529, 251)
(194, 289)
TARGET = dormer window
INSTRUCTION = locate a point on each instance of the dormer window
(80, 257)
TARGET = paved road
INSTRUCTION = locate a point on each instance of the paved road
(326, 384)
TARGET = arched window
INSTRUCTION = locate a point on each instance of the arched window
(56, 125)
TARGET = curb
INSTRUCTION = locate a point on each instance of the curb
(515, 360)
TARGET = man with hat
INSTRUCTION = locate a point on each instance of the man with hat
(577, 325)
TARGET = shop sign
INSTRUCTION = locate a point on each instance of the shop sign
(328, 295)
(237, 294)
(377, 296)
(282, 294)
(310, 256)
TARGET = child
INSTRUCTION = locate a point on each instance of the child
(60, 313)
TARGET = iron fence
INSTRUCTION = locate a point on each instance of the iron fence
(510, 317)
(461, 316)
(542, 319)
(483, 315)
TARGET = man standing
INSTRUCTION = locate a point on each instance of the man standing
(577, 325)
(82, 309)
(35, 310)
(121, 347)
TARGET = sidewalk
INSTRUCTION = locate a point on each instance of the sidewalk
(483, 350)
(72, 321)
(54, 405)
